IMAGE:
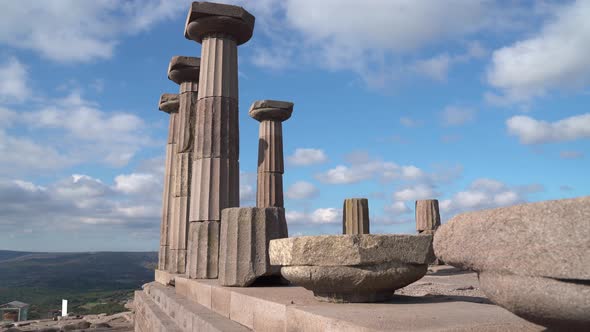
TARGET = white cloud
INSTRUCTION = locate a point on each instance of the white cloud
(13, 81)
(79, 31)
(326, 216)
(137, 183)
(555, 58)
(532, 131)
(419, 191)
(487, 193)
(436, 68)
(409, 122)
(397, 208)
(456, 116)
(295, 217)
(247, 188)
(302, 190)
(306, 157)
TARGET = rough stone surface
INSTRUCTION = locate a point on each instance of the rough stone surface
(203, 250)
(544, 301)
(427, 215)
(184, 69)
(269, 190)
(274, 110)
(545, 239)
(245, 236)
(206, 18)
(532, 258)
(355, 216)
(351, 250)
(168, 102)
(270, 147)
(217, 129)
(372, 283)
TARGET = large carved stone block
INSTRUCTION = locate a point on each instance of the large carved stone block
(244, 244)
(217, 130)
(203, 250)
(355, 216)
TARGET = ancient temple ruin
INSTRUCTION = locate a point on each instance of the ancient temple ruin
(212, 250)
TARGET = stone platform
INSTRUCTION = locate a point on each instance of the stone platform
(446, 299)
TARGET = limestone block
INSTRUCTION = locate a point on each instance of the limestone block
(270, 147)
(427, 215)
(273, 110)
(548, 239)
(215, 184)
(184, 166)
(179, 223)
(245, 236)
(184, 69)
(203, 250)
(563, 306)
(374, 283)
(217, 132)
(355, 216)
(168, 103)
(219, 68)
(351, 250)
(269, 190)
(228, 19)
(177, 263)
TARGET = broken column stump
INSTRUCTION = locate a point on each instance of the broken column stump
(203, 250)
(355, 216)
(428, 220)
(244, 242)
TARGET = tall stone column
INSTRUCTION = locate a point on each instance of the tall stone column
(270, 114)
(183, 71)
(168, 103)
(215, 168)
(355, 216)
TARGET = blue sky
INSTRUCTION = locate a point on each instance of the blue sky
(479, 104)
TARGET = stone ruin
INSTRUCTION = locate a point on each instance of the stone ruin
(210, 247)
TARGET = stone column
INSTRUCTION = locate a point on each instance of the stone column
(215, 168)
(169, 104)
(355, 216)
(428, 220)
(271, 114)
(427, 216)
(183, 71)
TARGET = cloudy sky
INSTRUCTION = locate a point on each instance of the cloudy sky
(476, 103)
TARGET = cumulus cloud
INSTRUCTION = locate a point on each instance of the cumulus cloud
(317, 216)
(571, 154)
(135, 183)
(412, 193)
(397, 208)
(555, 58)
(409, 122)
(79, 31)
(456, 115)
(366, 169)
(306, 157)
(302, 190)
(532, 131)
(487, 193)
(13, 81)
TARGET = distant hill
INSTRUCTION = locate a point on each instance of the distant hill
(91, 281)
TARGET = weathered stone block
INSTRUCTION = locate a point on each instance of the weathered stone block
(203, 250)
(177, 260)
(179, 223)
(206, 18)
(217, 128)
(184, 165)
(427, 215)
(355, 216)
(163, 257)
(245, 236)
(351, 250)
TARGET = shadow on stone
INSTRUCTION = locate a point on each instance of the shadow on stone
(439, 299)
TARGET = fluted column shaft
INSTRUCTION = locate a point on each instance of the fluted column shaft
(167, 195)
(427, 215)
(215, 180)
(355, 216)
(269, 190)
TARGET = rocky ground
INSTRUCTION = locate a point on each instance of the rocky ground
(121, 322)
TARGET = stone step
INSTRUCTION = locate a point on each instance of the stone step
(187, 315)
(149, 317)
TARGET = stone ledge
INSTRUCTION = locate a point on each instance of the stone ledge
(295, 309)
(164, 277)
(186, 315)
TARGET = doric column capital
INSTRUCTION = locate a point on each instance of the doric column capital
(184, 69)
(271, 110)
(205, 18)
(169, 103)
